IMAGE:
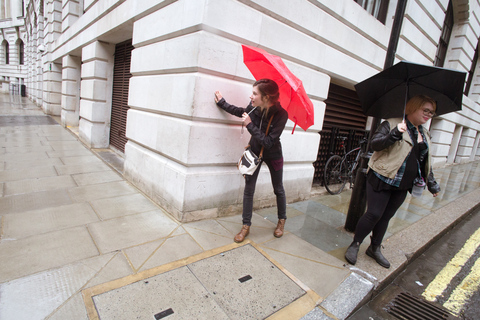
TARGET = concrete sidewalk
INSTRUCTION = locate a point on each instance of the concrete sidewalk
(78, 241)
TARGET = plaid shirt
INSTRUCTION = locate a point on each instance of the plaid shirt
(412, 131)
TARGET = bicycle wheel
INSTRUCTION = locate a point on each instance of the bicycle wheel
(335, 175)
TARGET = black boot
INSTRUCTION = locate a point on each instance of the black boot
(352, 252)
(374, 252)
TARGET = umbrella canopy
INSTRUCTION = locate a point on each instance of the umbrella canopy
(385, 94)
(293, 97)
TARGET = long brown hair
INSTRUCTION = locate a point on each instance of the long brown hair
(268, 88)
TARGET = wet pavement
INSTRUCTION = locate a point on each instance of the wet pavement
(444, 279)
(73, 229)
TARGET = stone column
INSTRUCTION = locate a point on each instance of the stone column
(52, 70)
(52, 88)
(452, 155)
(39, 51)
(71, 11)
(476, 150)
(96, 94)
(71, 78)
(442, 134)
(465, 145)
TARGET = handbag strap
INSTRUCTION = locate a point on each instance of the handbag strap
(266, 133)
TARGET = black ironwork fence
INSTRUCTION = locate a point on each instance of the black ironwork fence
(330, 145)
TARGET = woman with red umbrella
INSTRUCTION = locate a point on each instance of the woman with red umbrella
(263, 109)
(401, 159)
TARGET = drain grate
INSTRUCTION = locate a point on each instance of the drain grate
(405, 306)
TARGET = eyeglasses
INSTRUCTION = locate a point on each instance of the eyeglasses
(428, 113)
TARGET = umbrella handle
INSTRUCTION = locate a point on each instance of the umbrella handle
(406, 98)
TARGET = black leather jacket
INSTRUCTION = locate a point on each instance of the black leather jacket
(384, 138)
(271, 142)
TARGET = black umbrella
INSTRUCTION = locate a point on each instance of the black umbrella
(385, 94)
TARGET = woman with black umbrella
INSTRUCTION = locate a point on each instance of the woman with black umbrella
(400, 160)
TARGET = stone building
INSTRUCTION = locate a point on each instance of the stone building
(13, 68)
(138, 76)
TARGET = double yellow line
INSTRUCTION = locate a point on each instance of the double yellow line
(467, 287)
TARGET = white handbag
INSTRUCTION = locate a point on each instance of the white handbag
(249, 161)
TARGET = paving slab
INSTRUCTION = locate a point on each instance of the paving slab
(132, 230)
(115, 207)
(45, 251)
(40, 184)
(32, 201)
(47, 220)
(166, 251)
(27, 149)
(81, 160)
(27, 173)
(13, 157)
(63, 145)
(38, 295)
(101, 191)
(84, 179)
(69, 153)
(81, 168)
(31, 162)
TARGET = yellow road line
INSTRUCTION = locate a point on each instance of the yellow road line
(465, 290)
(443, 278)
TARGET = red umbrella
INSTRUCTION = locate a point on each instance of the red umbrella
(293, 97)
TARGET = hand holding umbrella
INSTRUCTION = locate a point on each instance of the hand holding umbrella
(246, 119)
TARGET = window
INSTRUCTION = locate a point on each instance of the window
(377, 8)
(444, 37)
(471, 72)
(21, 52)
(7, 53)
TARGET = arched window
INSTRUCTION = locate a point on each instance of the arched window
(6, 50)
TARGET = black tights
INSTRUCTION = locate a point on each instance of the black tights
(382, 206)
(277, 182)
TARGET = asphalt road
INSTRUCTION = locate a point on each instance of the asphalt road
(445, 277)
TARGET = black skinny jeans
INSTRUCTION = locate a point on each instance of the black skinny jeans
(277, 182)
(382, 206)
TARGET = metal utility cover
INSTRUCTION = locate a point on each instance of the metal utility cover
(267, 291)
(178, 290)
(237, 284)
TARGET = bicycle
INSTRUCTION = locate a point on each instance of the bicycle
(339, 169)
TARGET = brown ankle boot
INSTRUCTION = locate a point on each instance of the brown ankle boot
(279, 230)
(242, 234)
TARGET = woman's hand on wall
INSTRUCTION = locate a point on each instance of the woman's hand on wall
(218, 96)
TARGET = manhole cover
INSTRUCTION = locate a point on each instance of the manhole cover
(240, 283)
